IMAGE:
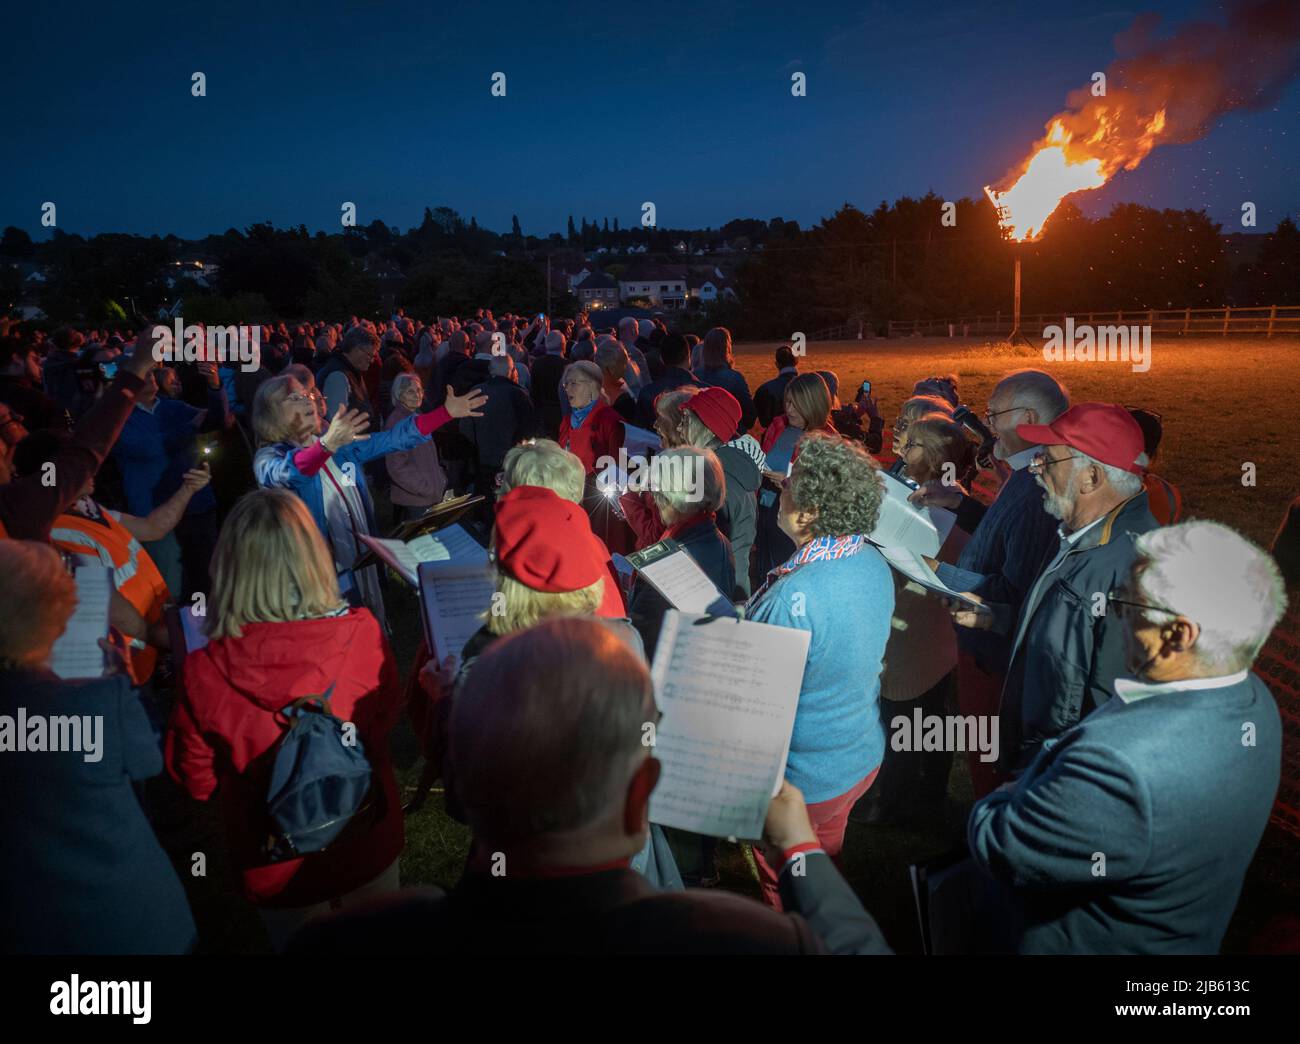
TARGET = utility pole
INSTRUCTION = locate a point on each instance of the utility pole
(548, 284)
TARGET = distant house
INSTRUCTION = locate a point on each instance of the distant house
(570, 276)
(664, 286)
(598, 290)
(707, 285)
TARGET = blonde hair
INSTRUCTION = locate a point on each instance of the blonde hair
(40, 598)
(943, 441)
(519, 606)
(271, 565)
(544, 462)
(268, 412)
(809, 394)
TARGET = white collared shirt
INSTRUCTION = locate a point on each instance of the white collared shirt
(1020, 461)
(1130, 690)
(1073, 538)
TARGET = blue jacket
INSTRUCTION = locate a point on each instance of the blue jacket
(839, 737)
(273, 468)
(156, 449)
(1067, 654)
(1132, 832)
(1001, 560)
(81, 871)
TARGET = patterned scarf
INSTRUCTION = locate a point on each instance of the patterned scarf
(819, 549)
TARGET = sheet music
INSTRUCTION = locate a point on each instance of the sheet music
(680, 580)
(454, 598)
(913, 566)
(728, 691)
(450, 544)
(904, 525)
(76, 653)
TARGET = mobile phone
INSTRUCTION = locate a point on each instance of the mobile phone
(866, 387)
(541, 317)
(108, 369)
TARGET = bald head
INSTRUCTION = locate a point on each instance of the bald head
(546, 733)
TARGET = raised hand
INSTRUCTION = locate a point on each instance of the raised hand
(466, 405)
(346, 428)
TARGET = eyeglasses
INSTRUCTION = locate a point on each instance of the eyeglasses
(1112, 598)
(297, 397)
(901, 424)
(1040, 461)
(988, 416)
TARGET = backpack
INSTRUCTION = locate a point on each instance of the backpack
(320, 785)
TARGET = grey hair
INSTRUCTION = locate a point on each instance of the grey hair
(545, 463)
(501, 366)
(1124, 483)
(1037, 391)
(1217, 578)
(399, 385)
(840, 481)
(687, 480)
(584, 368)
(612, 359)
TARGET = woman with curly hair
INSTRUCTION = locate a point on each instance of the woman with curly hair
(838, 587)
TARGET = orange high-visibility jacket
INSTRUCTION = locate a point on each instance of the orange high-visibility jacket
(134, 574)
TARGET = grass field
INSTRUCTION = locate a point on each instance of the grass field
(1225, 403)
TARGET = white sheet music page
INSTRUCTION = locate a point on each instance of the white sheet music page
(76, 653)
(904, 525)
(452, 544)
(453, 597)
(680, 580)
(728, 690)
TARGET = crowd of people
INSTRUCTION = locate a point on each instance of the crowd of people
(1106, 642)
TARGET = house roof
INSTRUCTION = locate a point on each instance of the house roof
(649, 271)
(598, 281)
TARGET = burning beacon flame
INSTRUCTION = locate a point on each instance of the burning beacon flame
(1064, 162)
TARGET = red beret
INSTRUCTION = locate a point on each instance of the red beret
(546, 543)
(718, 409)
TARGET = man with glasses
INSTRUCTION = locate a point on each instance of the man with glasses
(1007, 546)
(1132, 832)
(1066, 651)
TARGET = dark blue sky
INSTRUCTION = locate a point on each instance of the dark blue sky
(608, 104)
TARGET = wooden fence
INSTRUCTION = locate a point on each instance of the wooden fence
(1266, 321)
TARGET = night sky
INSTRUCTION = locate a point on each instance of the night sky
(608, 104)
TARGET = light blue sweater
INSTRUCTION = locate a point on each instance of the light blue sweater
(839, 737)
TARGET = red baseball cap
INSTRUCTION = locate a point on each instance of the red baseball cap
(718, 409)
(1103, 430)
(545, 542)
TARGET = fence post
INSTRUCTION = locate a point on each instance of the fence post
(1272, 315)
(1227, 318)
(1187, 320)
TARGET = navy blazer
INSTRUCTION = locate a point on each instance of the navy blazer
(1132, 831)
(81, 871)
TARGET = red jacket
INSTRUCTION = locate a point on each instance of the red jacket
(223, 732)
(601, 435)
